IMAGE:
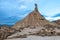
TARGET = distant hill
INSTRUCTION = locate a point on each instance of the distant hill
(5, 25)
(57, 21)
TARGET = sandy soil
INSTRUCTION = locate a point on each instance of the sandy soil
(38, 38)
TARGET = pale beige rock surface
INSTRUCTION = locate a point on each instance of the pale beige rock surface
(38, 38)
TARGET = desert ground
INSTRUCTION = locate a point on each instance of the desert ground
(38, 38)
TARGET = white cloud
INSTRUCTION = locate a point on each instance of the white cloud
(23, 7)
(53, 12)
(25, 0)
(52, 18)
(20, 1)
(28, 1)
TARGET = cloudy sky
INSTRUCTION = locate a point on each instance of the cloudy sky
(13, 10)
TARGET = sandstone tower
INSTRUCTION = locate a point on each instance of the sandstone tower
(34, 19)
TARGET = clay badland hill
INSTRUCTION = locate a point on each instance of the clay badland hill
(34, 19)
